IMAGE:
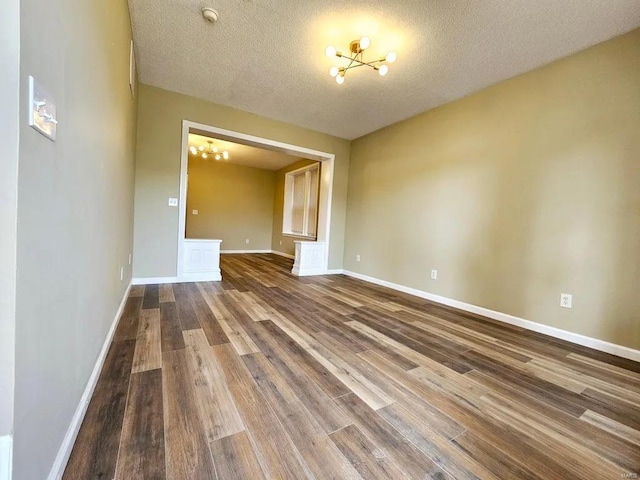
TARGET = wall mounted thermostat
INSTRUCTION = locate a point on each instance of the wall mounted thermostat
(42, 110)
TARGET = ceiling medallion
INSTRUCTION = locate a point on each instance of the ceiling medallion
(209, 150)
(356, 59)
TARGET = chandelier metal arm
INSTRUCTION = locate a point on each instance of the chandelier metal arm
(357, 47)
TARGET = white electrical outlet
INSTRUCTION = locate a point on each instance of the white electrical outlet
(280, 242)
(247, 241)
(129, 259)
(566, 300)
(121, 273)
(194, 212)
(173, 202)
(434, 274)
(357, 258)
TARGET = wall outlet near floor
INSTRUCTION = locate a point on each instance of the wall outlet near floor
(130, 258)
(247, 241)
(280, 242)
(194, 212)
(173, 202)
(121, 273)
(357, 258)
(434, 274)
(566, 300)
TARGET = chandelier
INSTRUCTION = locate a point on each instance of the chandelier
(209, 150)
(356, 59)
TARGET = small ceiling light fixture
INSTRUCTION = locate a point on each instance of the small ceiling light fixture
(210, 149)
(210, 14)
(357, 47)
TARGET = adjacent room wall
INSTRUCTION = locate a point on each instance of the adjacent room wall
(279, 242)
(234, 204)
(518, 193)
(158, 152)
(9, 98)
(75, 214)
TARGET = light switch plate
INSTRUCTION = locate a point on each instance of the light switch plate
(173, 202)
(42, 110)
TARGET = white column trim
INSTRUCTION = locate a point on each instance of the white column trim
(6, 457)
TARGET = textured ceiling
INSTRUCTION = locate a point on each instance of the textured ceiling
(267, 56)
(244, 154)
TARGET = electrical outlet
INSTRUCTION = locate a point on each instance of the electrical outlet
(121, 273)
(434, 274)
(247, 241)
(357, 258)
(173, 202)
(280, 242)
(194, 212)
(130, 259)
(566, 300)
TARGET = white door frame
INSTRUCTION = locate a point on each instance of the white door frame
(326, 181)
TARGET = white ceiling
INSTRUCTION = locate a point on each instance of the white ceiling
(267, 56)
(244, 154)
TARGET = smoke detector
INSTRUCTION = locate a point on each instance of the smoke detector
(210, 14)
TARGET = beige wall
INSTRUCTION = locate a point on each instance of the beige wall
(515, 194)
(234, 204)
(9, 101)
(160, 115)
(284, 243)
(75, 213)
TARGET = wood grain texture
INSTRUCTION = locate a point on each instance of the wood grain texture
(151, 297)
(171, 332)
(148, 355)
(142, 443)
(267, 374)
(364, 455)
(166, 293)
(95, 451)
(186, 443)
(234, 458)
(217, 409)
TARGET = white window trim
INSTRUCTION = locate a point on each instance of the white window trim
(288, 200)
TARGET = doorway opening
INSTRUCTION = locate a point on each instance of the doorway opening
(305, 212)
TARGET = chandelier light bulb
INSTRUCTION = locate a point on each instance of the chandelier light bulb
(330, 51)
(217, 157)
(201, 148)
(383, 70)
(340, 79)
(215, 149)
(333, 71)
(365, 42)
(391, 57)
(193, 150)
(225, 155)
(204, 155)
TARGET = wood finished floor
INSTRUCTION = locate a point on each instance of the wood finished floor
(266, 375)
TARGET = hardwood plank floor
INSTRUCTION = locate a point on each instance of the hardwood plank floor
(266, 375)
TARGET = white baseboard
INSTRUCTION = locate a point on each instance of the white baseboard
(282, 254)
(60, 463)
(307, 272)
(153, 280)
(335, 271)
(202, 276)
(222, 252)
(583, 340)
(6, 457)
